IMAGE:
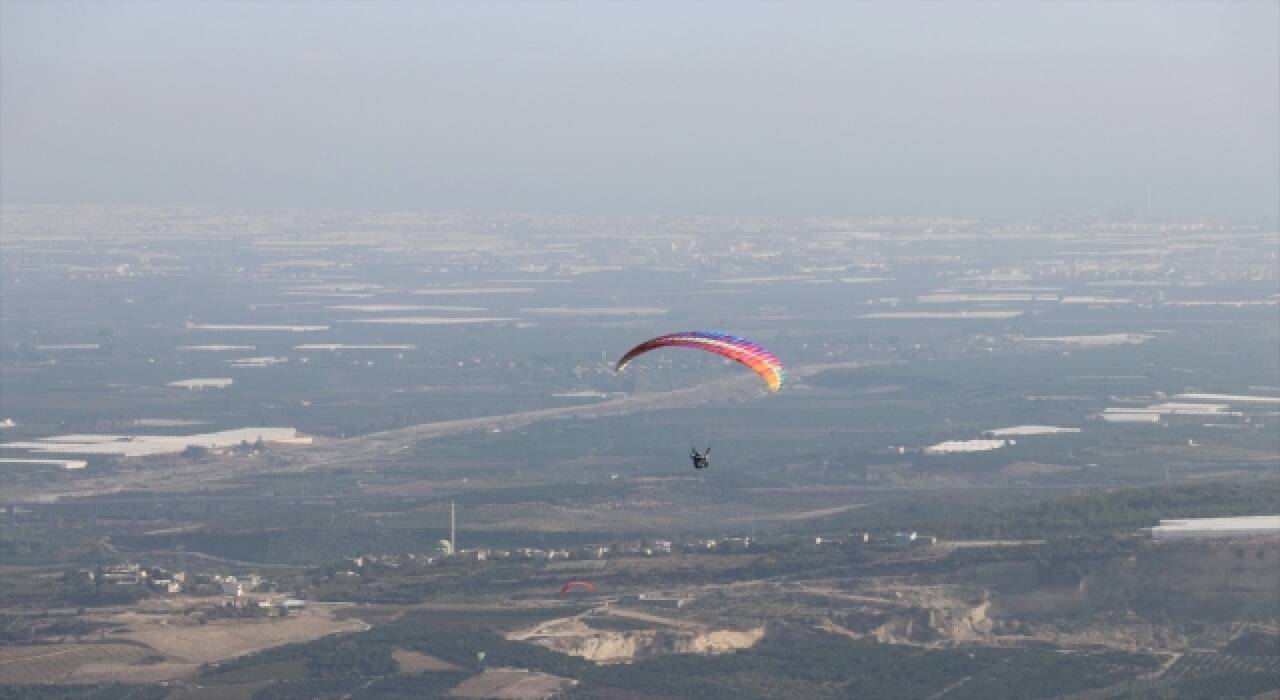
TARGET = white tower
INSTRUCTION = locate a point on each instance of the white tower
(453, 528)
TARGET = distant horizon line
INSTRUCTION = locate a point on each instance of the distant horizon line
(1009, 217)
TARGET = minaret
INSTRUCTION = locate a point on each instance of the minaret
(453, 529)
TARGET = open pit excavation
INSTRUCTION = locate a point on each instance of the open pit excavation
(576, 636)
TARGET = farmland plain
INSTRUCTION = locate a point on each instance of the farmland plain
(1114, 373)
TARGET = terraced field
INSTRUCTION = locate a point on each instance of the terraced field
(1205, 664)
(1206, 675)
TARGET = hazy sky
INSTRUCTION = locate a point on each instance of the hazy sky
(1002, 109)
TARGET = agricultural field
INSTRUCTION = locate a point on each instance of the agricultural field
(142, 648)
(74, 662)
(254, 397)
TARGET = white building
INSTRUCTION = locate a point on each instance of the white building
(203, 383)
(951, 446)
(657, 601)
(1213, 528)
(1115, 415)
(64, 463)
(147, 445)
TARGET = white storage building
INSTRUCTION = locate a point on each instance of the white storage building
(1204, 528)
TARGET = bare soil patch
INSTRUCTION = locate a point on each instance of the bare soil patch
(224, 639)
(48, 663)
(512, 684)
(415, 662)
(157, 647)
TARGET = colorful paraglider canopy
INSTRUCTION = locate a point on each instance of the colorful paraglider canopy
(761, 361)
(578, 587)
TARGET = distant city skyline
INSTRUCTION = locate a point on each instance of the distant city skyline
(992, 110)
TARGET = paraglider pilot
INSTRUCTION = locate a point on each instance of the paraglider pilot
(701, 460)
